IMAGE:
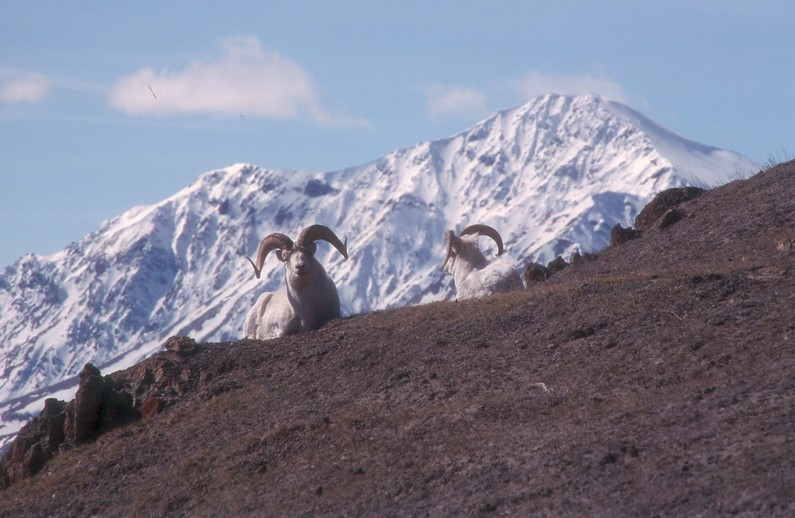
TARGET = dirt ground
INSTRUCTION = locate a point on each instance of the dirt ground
(669, 359)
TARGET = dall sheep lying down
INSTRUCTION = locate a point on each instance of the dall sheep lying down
(474, 275)
(309, 298)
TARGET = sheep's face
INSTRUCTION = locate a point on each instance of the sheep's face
(300, 265)
(464, 249)
(449, 266)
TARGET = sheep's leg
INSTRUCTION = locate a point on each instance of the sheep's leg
(278, 318)
(254, 315)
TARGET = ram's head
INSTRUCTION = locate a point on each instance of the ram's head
(464, 245)
(298, 256)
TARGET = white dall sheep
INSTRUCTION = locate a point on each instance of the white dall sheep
(474, 275)
(309, 298)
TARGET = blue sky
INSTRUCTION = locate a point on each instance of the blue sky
(108, 105)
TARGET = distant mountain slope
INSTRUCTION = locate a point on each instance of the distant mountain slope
(553, 175)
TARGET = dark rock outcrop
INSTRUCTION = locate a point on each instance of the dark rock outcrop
(100, 404)
(619, 234)
(183, 345)
(670, 217)
(534, 272)
(82, 422)
(36, 442)
(664, 202)
(557, 264)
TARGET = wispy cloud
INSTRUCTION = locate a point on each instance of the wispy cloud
(23, 87)
(535, 83)
(246, 79)
(457, 100)
(471, 101)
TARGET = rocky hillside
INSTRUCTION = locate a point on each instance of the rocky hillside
(668, 359)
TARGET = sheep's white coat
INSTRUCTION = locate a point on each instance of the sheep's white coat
(475, 276)
(308, 300)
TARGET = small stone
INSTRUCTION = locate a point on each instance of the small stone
(785, 245)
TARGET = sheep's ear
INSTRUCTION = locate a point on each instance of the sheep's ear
(280, 256)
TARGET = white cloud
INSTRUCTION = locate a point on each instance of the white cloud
(472, 102)
(247, 80)
(459, 101)
(534, 84)
(23, 87)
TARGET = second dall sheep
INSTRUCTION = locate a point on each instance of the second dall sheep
(309, 298)
(474, 275)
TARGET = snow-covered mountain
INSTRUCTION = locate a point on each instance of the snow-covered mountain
(553, 176)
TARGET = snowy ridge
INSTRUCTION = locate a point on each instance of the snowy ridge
(553, 176)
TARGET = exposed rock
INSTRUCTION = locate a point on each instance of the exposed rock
(152, 406)
(183, 345)
(99, 405)
(670, 217)
(785, 244)
(117, 405)
(663, 202)
(557, 264)
(54, 410)
(316, 187)
(577, 257)
(36, 442)
(223, 207)
(82, 424)
(534, 272)
(619, 234)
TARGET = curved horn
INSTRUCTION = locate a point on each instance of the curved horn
(272, 242)
(313, 233)
(485, 230)
(449, 236)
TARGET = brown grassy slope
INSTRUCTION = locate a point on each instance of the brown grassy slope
(670, 360)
